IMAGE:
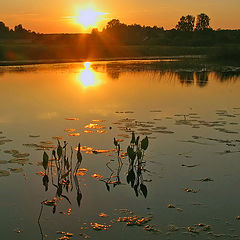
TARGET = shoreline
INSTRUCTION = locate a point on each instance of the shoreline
(59, 61)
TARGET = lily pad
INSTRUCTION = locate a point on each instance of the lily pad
(3, 161)
(34, 136)
(16, 170)
(21, 155)
(4, 173)
(71, 119)
(18, 160)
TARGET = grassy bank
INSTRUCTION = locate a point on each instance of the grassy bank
(40, 53)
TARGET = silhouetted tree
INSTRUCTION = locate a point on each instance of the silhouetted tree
(113, 24)
(186, 24)
(95, 31)
(19, 29)
(3, 28)
(203, 22)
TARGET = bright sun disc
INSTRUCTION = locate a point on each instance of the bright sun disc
(87, 65)
(89, 17)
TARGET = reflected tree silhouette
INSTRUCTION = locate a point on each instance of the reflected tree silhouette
(202, 78)
(186, 77)
(227, 76)
(186, 74)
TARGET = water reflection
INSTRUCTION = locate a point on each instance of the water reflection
(136, 166)
(91, 74)
(186, 75)
(62, 171)
(202, 78)
(87, 77)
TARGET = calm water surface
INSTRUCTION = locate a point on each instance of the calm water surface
(192, 120)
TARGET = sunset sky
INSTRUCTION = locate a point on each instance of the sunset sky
(58, 16)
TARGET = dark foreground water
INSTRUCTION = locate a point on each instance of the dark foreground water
(191, 175)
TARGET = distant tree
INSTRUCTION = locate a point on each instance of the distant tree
(19, 29)
(186, 23)
(3, 28)
(95, 31)
(203, 22)
(113, 24)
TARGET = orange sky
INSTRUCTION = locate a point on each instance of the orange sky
(52, 16)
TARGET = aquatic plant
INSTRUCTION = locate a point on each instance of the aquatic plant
(135, 152)
(65, 171)
(62, 171)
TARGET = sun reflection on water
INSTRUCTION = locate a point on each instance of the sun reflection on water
(87, 77)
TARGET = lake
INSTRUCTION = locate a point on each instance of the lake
(186, 184)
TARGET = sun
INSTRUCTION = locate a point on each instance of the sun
(89, 17)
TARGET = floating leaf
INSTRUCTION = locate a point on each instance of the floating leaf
(74, 134)
(3, 161)
(98, 227)
(95, 175)
(11, 151)
(88, 131)
(21, 155)
(71, 119)
(16, 170)
(83, 169)
(4, 173)
(98, 120)
(34, 136)
(94, 126)
(18, 160)
(50, 202)
(57, 137)
(40, 173)
(102, 215)
(70, 130)
(79, 173)
(101, 131)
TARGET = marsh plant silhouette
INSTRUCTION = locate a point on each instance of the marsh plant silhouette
(135, 154)
(61, 172)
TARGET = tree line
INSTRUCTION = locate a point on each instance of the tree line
(17, 32)
(189, 31)
(187, 23)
